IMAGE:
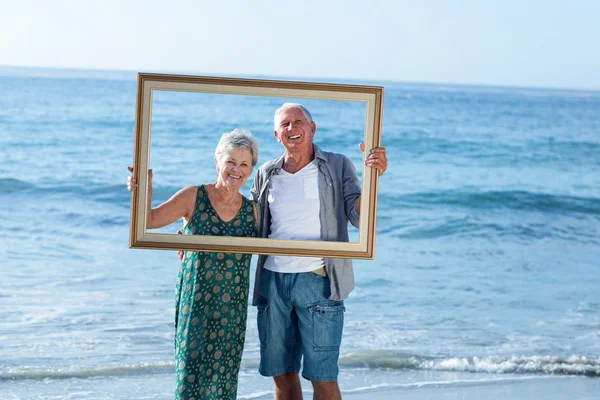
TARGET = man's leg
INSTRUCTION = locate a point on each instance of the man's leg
(326, 390)
(287, 387)
(320, 323)
(280, 347)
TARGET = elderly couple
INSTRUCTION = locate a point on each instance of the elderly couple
(306, 194)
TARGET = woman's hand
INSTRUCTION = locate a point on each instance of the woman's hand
(180, 253)
(132, 184)
(168, 212)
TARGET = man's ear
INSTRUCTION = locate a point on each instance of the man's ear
(275, 134)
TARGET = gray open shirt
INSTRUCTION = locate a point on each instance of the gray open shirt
(338, 190)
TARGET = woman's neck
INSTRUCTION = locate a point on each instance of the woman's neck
(225, 193)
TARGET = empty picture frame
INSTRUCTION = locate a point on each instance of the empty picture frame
(149, 84)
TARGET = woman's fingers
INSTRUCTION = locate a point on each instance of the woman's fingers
(131, 184)
(180, 253)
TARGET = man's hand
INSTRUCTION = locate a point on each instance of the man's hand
(180, 253)
(376, 159)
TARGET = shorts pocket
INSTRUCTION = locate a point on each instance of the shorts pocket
(319, 277)
(328, 323)
(262, 320)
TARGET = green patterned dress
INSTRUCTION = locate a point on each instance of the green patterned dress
(211, 307)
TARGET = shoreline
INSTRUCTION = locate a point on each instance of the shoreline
(538, 388)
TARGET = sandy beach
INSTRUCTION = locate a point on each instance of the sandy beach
(543, 388)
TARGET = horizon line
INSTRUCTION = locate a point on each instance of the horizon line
(320, 79)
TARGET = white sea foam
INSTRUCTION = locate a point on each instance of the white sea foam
(573, 365)
(85, 371)
(524, 365)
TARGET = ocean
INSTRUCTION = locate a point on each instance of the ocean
(487, 239)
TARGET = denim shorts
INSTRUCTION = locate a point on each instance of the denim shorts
(296, 320)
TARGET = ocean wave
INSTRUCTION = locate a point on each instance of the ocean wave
(552, 365)
(370, 359)
(85, 371)
(93, 278)
(520, 200)
(115, 194)
(425, 144)
(467, 226)
(10, 185)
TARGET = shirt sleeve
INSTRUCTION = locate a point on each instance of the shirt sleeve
(255, 189)
(352, 191)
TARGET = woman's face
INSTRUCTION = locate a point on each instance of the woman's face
(235, 167)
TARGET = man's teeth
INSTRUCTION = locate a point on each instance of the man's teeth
(235, 176)
(295, 136)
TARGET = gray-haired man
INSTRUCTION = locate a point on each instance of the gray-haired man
(306, 194)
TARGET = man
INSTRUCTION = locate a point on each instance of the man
(306, 194)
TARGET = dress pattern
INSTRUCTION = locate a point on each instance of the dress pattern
(211, 307)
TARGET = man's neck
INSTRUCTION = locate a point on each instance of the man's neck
(294, 162)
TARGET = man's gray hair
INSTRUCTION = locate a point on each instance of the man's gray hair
(287, 106)
(237, 139)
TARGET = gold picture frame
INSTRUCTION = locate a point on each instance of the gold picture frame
(147, 83)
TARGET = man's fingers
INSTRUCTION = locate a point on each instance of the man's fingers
(378, 153)
(361, 146)
(377, 159)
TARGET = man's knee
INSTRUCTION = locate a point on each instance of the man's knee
(287, 379)
(287, 386)
(326, 390)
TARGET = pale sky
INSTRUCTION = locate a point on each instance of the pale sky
(551, 43)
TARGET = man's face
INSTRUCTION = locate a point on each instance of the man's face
(294, 131)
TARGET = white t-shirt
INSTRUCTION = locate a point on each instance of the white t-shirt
(294, 206)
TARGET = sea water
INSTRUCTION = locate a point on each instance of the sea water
(487, 240)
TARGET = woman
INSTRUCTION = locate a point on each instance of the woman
(212, 288)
